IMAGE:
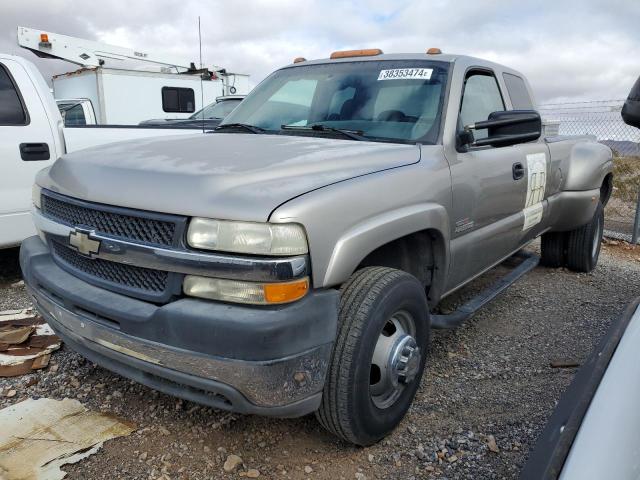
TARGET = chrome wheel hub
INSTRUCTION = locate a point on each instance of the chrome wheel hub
(405, 360)
(396, 360)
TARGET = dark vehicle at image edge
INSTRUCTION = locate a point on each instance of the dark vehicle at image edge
(297, 270)
(208, 117)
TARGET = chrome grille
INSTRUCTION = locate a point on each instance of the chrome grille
(109, 222)
(145, 280)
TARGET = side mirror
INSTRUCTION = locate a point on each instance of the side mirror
(631, 108)
(506, 128)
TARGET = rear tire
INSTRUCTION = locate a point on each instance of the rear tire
(379, 355)
(553, 246)
(583, 244)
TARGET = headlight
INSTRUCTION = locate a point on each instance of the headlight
(245, 292)
(247, 237)
(36, 193)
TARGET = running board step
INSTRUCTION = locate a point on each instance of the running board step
(466, 311)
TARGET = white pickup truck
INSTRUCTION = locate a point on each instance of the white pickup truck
(32, 136)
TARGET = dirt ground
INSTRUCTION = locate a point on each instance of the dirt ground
(490, 380)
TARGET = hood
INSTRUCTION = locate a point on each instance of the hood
(223, 175)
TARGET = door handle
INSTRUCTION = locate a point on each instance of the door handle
(34, 151)
(518, 171)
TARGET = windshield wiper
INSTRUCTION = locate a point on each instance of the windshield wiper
(246, 126)
(318, 127)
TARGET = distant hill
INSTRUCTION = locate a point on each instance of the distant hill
(623, 147)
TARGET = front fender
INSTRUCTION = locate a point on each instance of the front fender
(348, 220)
(363, 238)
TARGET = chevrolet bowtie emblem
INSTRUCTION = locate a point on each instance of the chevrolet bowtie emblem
(82, 241)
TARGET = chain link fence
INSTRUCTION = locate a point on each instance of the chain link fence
(602, 119)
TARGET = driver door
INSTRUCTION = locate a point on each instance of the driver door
(489, 187)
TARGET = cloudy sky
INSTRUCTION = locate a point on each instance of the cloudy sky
(570, 50)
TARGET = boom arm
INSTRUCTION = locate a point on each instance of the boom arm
(88, 53)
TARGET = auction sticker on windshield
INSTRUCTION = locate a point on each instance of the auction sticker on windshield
(406, 74)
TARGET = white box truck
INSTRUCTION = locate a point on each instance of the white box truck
(127, 97)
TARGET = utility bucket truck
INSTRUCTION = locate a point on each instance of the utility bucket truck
(126, 86)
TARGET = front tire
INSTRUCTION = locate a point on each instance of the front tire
(583, 244)
(379, 355)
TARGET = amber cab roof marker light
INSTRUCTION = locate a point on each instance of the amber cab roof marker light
(368, 52)
(434, 51)
(299, 59)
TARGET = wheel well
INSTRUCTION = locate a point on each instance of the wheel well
(606, 189)
(421, 254)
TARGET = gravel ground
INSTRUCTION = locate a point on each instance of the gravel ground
(486, 395)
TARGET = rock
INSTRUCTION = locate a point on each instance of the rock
(360, 476)
(253, 473)
(452, 459)
(19, 284)
(31, 382)
(412, 429)
(75, 383)
(232, 463)
(143, 456)
(370, 458)
(308, 469)
(11, 393)
(421, 454)
(491, 444)
(164, 431)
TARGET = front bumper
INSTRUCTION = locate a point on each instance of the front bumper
(262, 360)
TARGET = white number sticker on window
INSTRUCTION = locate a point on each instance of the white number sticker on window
(406, 74)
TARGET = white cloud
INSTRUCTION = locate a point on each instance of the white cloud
(569, 50)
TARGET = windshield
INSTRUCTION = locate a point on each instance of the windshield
(217, 110)
(387, 100)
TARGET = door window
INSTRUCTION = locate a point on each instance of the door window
(480, 98)
(518, 93)
(11, 110)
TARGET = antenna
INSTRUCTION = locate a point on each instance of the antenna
(201, 82)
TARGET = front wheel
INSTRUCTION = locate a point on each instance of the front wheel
(379, 355)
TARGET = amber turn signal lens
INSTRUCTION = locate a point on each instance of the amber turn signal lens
(44, 38)
(434, 51)
(368, 52)
(299, 59)
(286, 292)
